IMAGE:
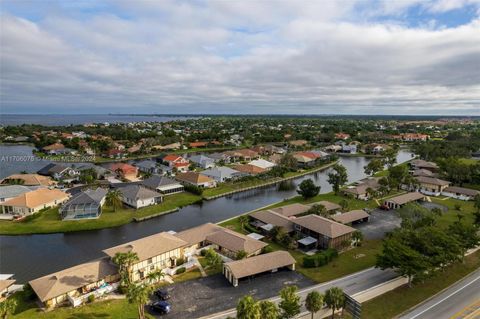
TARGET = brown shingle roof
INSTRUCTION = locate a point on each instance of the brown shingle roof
(351, 216)
(37, 198)
(461, 190)
(66, 280)
(323, 226)
(273, 218)
(328, 205)
(235, 242)
(193, 177)
(4, 284)
(431, 180)
(261, 263)
(198, 234)
(249, 169)
(292, 209)
(148, 247)
(406, 198)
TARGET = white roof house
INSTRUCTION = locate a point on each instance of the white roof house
(262, 163)
(222, 173)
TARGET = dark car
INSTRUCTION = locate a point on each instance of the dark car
(162, 294)
(161, 307)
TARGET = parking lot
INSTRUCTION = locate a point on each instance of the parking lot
(204, 296)
(381, 222)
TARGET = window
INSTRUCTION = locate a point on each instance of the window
(152, 267)
(149, 260)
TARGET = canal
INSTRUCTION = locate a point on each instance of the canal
(31, 256)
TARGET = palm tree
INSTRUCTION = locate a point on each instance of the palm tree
(248, 308)
(125, 262)
(139, 294)
(114, 199)
(357, 238)
(314, 302)
(155, 276)
(7, 307)
(268, 310)
(335, 299)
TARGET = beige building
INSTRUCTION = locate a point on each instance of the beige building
(401, 200)
(431, 185)
(31, 202)
(155, 252)
(71, 284)
(28, 180)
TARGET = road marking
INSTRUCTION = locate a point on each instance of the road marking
(440, 301)
(471, 312)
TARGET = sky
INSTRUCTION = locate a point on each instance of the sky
(403, 57)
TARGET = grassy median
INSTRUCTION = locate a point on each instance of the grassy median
(49, 221)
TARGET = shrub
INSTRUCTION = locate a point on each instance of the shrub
(91, 298)
(193, 189)
(203, 252)
(320, 259)
(180, 261)
(122, 289)
(180, 270)
(309, 262)
(267, 249)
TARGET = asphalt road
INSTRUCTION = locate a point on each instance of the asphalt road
(351, 284)
(452, 302)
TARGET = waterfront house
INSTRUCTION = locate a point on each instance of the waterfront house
(53, 149)
(329, 206)
(83, 205)
(236, 270)
(74, 285)
(249, 169)
(298, 143)
(198, 144)
(11, 191)
(58, 171)
(7, 285)
(28, 180)
(460, 192)
(32, 202)
(401, 200)
(202, 161)
(361, 190)
(431, 185)
(413, 137)
(266, 220)
(148, 166)
(163, 185)
(342, 136)
(333, 148)
(247, 154)
(423, 172)
(176, 161)
(421, 164)
(349, 148)
(219, 157)
(223, 174)
(156, 252)
(138, 196)
(262, 164)
(125, 171)
(114, 153)
(196, 179)
(322, 233)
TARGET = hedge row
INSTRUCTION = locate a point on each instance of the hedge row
(320, 259)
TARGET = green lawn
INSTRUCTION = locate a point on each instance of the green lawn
(401, 299)
(466, 210)
(210, 270)
(50, 222)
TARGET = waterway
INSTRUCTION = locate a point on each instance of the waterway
(31, 256)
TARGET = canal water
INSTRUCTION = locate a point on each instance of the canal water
(31, 256)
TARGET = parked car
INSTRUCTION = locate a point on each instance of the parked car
(161, 307)
(162, 294)
(384, 207)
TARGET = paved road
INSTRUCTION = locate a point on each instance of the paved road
(451, 303)
(351, 284)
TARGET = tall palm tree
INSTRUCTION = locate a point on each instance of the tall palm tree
(314, 302)
(248, 308)
(7, 307)
(114, 199)
(269, 310)
(335, 299)
(155, 276)
(139, 294)
(125, 261)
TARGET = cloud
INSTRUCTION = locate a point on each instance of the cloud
(238, 57)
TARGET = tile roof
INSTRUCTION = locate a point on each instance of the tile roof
(431, 180)
(249, 169)
(193, 177)
(235, 242)
(273, 218)
(261, 263)
(30, 179)
(156, 181)
(461, 190)
(9, 191)
(36, 198)
(292, 209)
(323, 226)
(136, 192)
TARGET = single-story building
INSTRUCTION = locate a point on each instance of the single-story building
(123, 170)
(249, 169)
(28, 180)
(329, 206)
(74, 283)
(155, 252)
(265, 220)
(460, 192)
(163, 185)
(360, 191)
(431, 185)
(325, 233)
(53, 149)
(271, 262)
(148, 166)
(196, 179)
(202, 161)
(11, 191)
(58, 171)
(6, 283)
(176, 161)
(223, 174)
(138, 196)
(352, 217)
(422, 164)
(31, 202)
(86, 204)
(262, 164)
(399, 201)
(292, 209)
(423, 172)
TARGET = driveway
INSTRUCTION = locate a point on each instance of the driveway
(204, 296)
(381, 222)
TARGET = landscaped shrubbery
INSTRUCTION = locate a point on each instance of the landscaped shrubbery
(180, 270)
(193, 189)
(180, 261)
(320, 259)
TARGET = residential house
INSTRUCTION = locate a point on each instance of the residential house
(421, 164)
(266, 165)
(321, 232)
(298, 143)
(329, 206)
(268, 149)
(28, 180)
(361, 190)
(431, 185)
(219, 157)
(83, 205)
(32, 202)
(176, 161)
(234, 155)
(202, 161)
(58, 171)
(163, 185)
(74, 285)
(114, 153)
(148, 166)
(413, 137)
(11, 191)
(101, 172)
(423, 172)
(249, 169)
(223, 174)
(460, 192)
(247, 154)
(125, 171)
(198, 144)
(352, 217)
(53, 149)
(196, 179)
(342, 136)
(266, 220)
(333, 148)
(236, 270)
(401, 200)
(156, 252)
(170, 147)
(275, 158)
(6, 286)
(349, 148)
(138, 196)
(306, 159)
